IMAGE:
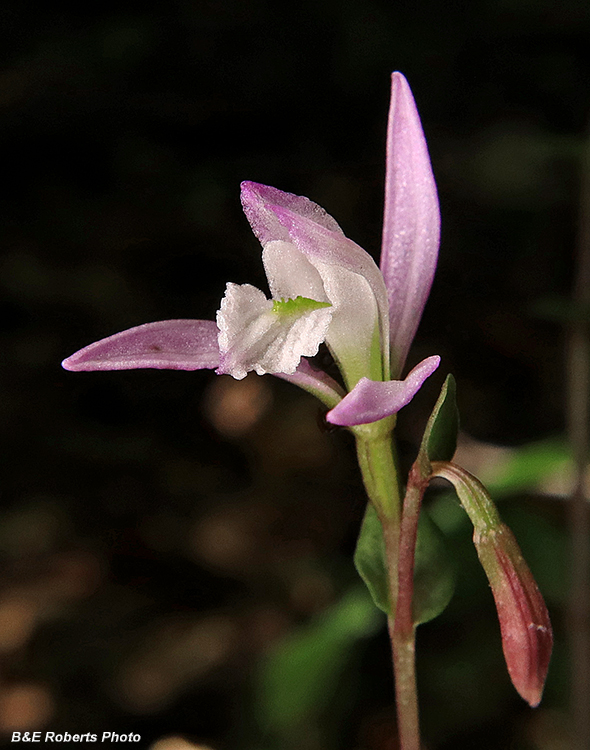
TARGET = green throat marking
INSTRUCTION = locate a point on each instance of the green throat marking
(298, 306)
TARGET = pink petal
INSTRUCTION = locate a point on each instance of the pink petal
(258, 200)
(314, 381)
(275, 215)
(371, 400)
(411, 226)
(327, 246)
(165, 345)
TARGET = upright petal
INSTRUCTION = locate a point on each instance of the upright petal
(165, 345)
(354, 330)
(411, 226)
(276, 215)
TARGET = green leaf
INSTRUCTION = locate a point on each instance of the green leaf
(434, 572)
(440, 436)
(369, 559)
(434, 575)
(299, 676)
(529, 465)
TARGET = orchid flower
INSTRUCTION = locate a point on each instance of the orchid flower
(324, 288)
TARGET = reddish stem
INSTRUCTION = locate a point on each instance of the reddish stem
(403, 630)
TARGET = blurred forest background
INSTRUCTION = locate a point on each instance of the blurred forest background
(176, 548)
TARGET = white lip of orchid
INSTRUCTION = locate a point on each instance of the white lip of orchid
(251, 337)
(268, 335)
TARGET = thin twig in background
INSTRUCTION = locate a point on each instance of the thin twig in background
(578, 417)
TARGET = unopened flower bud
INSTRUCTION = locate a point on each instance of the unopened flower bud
(527, 638)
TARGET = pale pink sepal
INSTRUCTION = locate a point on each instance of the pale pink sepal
(371, 400)
(315, 381)
(164, 345)
(258, 202)
(411, 225)
(183, 345)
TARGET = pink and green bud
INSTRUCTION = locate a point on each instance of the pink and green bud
(527, 638)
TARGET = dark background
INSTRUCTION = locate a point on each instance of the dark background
(159, 531)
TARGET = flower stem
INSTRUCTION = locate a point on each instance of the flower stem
(377, 460)
(406, 695)
(378, 465)
(403, 630)
(379, 469)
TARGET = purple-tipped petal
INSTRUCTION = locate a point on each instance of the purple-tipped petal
(372, 400)
(322, 244)
(315, 381)
(326, 249)
(276, 215)
(165, 345)
(411, 225)
(346, 275)
(258, 201)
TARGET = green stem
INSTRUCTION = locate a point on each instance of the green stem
(379, 469)
(474, 497)
(378, 465)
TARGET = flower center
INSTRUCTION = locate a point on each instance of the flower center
(297, 306)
